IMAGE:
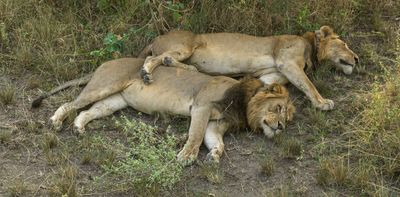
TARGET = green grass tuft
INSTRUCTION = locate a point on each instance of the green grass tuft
(7, 94)
(144, 161)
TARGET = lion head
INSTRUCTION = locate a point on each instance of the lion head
(330, 47)
(270, 109)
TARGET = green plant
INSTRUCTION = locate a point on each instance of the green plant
(303, 19)
(114, 44)
(145, 159)
(175, 8)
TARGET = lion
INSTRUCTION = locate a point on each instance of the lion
(215, 104)
(274, 59)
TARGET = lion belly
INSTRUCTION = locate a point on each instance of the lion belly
(172, 92)
(213, 61)
(233, 54)
(150, 100)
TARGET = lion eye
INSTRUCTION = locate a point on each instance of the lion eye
(279, 108)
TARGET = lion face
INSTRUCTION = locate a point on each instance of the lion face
(333, 49)
(270, 109)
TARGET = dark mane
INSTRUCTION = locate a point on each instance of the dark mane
(311, 51)
(233, 105)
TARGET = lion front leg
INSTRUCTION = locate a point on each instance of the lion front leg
(199, 120)
(298, 78)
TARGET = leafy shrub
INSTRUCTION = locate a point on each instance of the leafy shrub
(146, 160)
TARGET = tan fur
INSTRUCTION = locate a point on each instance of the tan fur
(207, 99)
(274, 59)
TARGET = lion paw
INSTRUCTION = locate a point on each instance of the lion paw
(55, 124)
(167, 61)
(79, 130)
(146, 77)
(192, 68)
(187, 157)
(212, 157)
(326, 104)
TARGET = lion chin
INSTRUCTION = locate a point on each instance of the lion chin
(269, 132)
(346, 69)
(344, 66)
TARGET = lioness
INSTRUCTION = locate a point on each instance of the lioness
(215, 103)
(274, 59)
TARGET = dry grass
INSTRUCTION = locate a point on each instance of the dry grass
(212, 172)
(17, 187)
(333, 172)
(267, 166)
(50, 141)
(65, 182)
(5, 135)
(290, 147)
(7, 94)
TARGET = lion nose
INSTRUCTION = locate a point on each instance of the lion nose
(280, 126)
(356, 59)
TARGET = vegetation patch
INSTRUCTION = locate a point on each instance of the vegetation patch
(7, 94)
(145, 160)
(267, 165)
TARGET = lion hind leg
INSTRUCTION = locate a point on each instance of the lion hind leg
(170, 61)
(100, 109)
(170, 58)
(213, 139)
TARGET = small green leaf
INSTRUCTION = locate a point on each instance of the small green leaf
(176, 16)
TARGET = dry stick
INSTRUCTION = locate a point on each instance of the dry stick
(41, 186)
(27, 161)
(186, 10)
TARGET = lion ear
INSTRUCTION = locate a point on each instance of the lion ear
(274, 89)
(291, 109)
(324, 32)
(277, 89)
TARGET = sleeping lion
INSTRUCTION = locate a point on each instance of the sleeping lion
(215, 103)
(272, 59)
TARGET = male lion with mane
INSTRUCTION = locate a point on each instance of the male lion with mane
(215, 103)
(273, 59)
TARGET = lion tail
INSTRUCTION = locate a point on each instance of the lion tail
(75, 82)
